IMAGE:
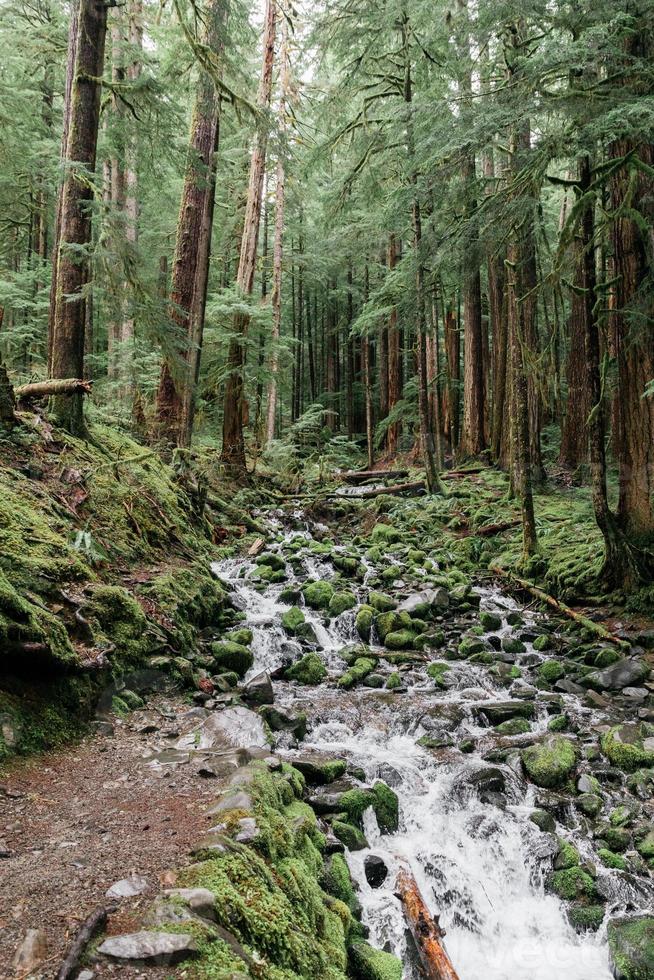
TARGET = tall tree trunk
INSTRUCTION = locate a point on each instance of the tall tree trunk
(67, 325)
(453, 355)
(574, 441)
(394, 358)
(73, 29)
(367, 380)
(117, 190)
(233, 450)
(349, 355)
(180, 367)
(280, 194)
(619, 568)
(632, 319)
(131, 183)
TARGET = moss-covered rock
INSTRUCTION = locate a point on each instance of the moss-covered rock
(318, 595)
(573, 884)
(543, 642)
(392, 622)
(232, 656)
(551, 671)
(400, 640)
(309, 670)
(381, 602)
(384, 534)
(356, 673)
(381, 798)
(513, 726)
(631, 946)
(363, 622)
(490, 622)
(340, 602)
(470, 645)
(550, 763)
(373, 964)
(624, 746)
(394, 681)
(350, 835)
(586, 918)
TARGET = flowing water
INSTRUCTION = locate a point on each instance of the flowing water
(478, 859)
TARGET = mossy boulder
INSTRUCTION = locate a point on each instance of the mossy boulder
(543, 642)
(318, 771)
(373, 964)
(384, 534)
(269, 560)
(295, 624)
(511, 644)
(631, 947)
(244, 636)
(550, 763)
(491, 622)
(400, 640)
(340, 602)
(347, 565)
(350, 835)
(381, 798)
(356, 673)
(514, 726)
(309, 670)
(586, 918)
(551, 671)
(470, 645)
(392, 622)
(381, 602)
(318, 595)
(232, 656)
(629, 746)
(437, 670)
(363, 622)
(573, 884)
(336, 881)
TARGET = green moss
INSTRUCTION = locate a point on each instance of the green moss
(550, 763)
(631, 945)
(558, 724)
(350, 835)
(400, 640)
(513, 726)
(586, 917)
(381, 602)
(392, 622)
(551, 671)
(394, 681)
(269, 560)
(356, 673)
(243, 636)
(573, 884)
(437, 670)
(490, 621)
(373, 964)
(293, 620)
(340, 602)
(611, 859)
(386, 807)
(337, 881)
(318, 595)
(363, 622)
(470, 645)
(543, 642)
(623, 746)
(567, 856)
(232, 656)
(308, 670)
(385, 534)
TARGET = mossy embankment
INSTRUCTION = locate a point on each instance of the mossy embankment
(105, 556)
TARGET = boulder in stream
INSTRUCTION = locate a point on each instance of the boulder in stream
(375, 870)
(551, 762)
(631, 947)
(623, 673)
(258, 690)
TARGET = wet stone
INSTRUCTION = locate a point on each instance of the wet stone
(375, 870)
(128, 887)
(150, 948)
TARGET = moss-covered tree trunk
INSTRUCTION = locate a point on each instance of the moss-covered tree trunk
(394, 357)
(68, 321)
(7, 401)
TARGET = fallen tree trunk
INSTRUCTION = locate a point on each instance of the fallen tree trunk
(560, 607)
(379, 491)
(426, 931)
(95, 922)
(360, 476)
(46, 389)
(490, 529)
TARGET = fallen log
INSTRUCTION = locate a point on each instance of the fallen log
(56, 386)
(457, 474)
(360, 476)
(425, 929)
(560, 607)
(488, 530)
(93, 924)
(379, 491)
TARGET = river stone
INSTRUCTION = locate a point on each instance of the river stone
(280, 721)
(128, 887)
(626, 746)
(150, 948)
(498, 711)
(422, 603)
(31, 953)
(235, 726)
(624, 673)
(631, 947)
(375, 870)
(550, 763)
(258, 690)
(320, 770)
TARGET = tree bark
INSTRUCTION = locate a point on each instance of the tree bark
(233, 450)
(67, 325)
(394, 358)
(425, 929)
(278, 246)
(190, 271)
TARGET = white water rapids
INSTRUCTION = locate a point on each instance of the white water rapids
(477, 864)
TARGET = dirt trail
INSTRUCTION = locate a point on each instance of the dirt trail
(78, 820)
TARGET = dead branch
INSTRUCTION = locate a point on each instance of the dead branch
(93, 924)
(56, 386)
(560, 607)
(361, 476)
(425, 930)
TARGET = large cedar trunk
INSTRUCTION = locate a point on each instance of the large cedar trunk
(68, 321)
(180, 367)
(233, 451)
(632, 321)
(453, 355)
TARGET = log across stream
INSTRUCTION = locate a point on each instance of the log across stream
(465, 833)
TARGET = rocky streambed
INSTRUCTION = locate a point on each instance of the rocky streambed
(372, 711)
